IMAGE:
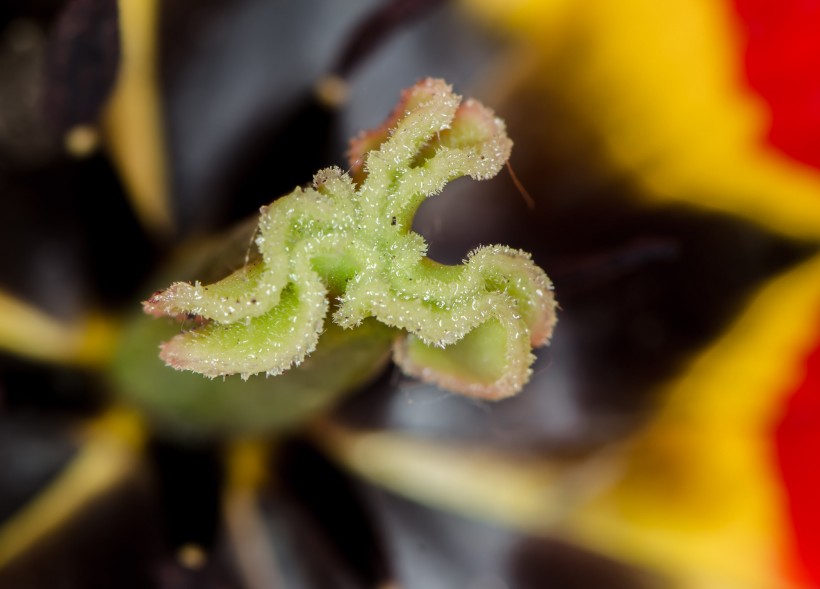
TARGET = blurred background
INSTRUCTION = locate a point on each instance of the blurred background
(665, 174)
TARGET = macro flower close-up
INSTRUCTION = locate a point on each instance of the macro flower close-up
(409, 294)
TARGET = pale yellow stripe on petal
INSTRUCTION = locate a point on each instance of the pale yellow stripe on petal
(107, 457)
(249, 464)
(133, 117)
(248, 461)
(526, 492)
(29, 332)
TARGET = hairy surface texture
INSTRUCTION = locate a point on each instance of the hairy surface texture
(345, 245)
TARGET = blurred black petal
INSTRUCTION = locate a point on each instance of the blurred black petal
(238, 79)
(233, 75)
(376, 28)
(327, 507)
(27, 389)
(282, 154)
(32, 452)
(87, 247)
(189, 479)
(537, 562)
(71, 238)
(25, 138)
(41, 11)
(110, 542)
(82, 61)
(117, 251)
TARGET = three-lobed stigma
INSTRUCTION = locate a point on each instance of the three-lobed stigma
(345, 248)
